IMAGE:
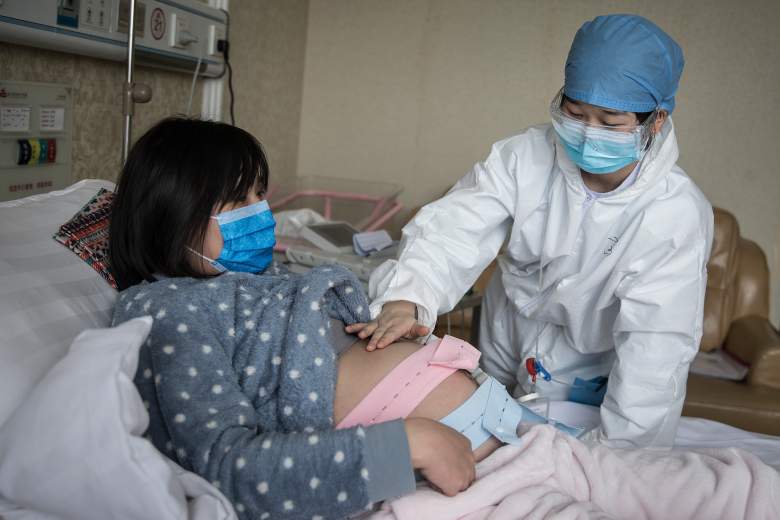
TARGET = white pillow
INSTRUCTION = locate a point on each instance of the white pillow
(47, 293)
(73, 448)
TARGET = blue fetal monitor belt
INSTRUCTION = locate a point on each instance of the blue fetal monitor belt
(491, 411)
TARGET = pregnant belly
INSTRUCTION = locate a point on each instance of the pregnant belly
(359, 371)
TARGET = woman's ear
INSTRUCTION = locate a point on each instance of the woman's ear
(660, 119)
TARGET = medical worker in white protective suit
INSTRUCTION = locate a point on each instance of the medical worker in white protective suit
(604, 270)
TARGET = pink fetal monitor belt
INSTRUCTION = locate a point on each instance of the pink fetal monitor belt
(405, 387)
(490, 411)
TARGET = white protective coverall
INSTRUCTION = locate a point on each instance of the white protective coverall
(621, 291)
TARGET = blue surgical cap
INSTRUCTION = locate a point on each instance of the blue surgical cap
(624, 62)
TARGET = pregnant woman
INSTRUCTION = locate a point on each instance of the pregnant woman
(248, 375)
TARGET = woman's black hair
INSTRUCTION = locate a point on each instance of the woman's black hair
(176, 174)
(642, 116)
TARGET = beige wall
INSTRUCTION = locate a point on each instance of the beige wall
(415, 92)
(268, 44)
(97, 101)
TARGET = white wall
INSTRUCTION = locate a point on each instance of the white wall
(415, 92)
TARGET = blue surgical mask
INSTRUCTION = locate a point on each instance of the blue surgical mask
(248, 239)
(598, 150)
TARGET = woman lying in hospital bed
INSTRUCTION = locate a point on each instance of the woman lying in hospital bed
(251, 382)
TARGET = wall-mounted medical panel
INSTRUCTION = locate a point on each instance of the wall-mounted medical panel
(36, 137)
(169, 34)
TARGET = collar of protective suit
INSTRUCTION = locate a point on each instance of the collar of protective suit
(569, 203)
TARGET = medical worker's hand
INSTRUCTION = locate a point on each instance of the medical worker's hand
(442, 455)
(396, 320)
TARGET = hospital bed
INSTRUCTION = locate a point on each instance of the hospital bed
(71, 422)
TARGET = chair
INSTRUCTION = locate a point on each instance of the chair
(736, 319)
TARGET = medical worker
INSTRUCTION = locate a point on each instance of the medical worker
(607, 240)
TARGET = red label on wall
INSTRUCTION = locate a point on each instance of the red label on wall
(51, 151)
(158, 23)
(29, 186)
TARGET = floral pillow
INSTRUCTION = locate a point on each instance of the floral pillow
(86, 234)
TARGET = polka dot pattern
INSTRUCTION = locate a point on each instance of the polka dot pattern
(236, 353)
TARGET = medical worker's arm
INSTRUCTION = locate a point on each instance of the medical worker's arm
(397, 320)
(449, 243)
(657, 334)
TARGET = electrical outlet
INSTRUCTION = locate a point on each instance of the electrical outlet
(216, 33)
(95, 14)
(180, 36)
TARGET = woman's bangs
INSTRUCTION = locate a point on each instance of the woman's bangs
(245, 170)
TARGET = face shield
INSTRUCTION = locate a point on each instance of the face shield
(600, 149)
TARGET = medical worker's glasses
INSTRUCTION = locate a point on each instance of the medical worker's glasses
(642, 132)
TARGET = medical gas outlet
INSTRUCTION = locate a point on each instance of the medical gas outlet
(36, 137)
(36, 151)
(181, 33)
(170, 34)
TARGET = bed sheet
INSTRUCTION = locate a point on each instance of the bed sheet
(692, 432)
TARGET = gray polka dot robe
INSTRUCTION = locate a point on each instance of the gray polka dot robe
(238, 376)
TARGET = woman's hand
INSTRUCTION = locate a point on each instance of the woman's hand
(395, 321)
(442, 455)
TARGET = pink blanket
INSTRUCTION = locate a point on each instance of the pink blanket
(555, 476)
